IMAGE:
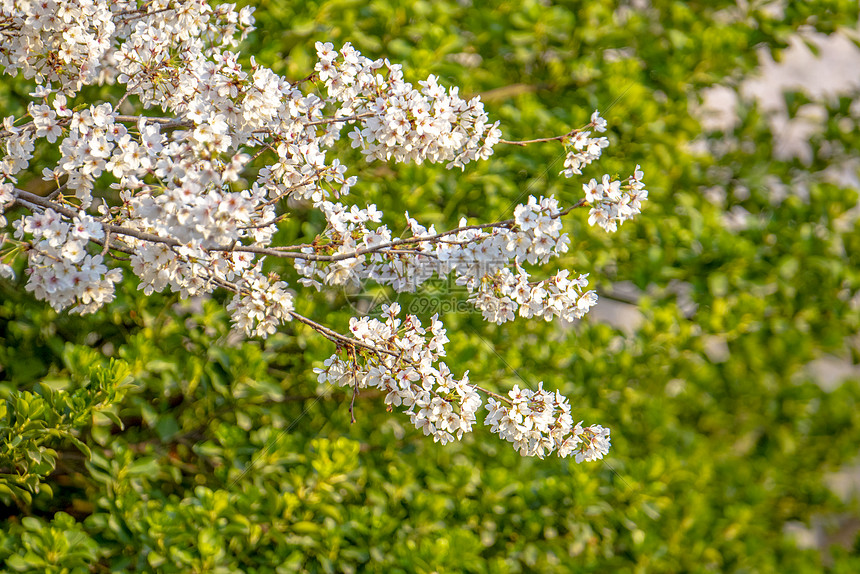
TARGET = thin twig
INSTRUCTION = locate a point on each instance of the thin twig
(527, 142)
(337, 337)
(340, 120)
(354, 390)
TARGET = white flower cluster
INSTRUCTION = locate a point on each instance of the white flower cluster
(558, 296)
(210, 217)
(262, 304)
(409, 372)
(584, 149)
(61, 271)
(488, 264)
(6, 199)
(405, 124)
(19, 147)
(539, 423)
(65, 42)
(612, 203)
(186, 269)
(536, 237)
(93, 137)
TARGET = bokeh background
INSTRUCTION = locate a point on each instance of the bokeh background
(723, 353)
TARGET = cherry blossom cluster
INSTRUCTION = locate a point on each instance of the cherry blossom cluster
(488, 263)
(62, 272)
(535, 237)
(59, 42)
(402, 358)
(19, 146)
(262, 304)
(539, 423)
(584, 149)
(189, 196)
(95, 143)
(405, 124)
(408, 371)
(558, 296)
(613, 203)
(6, 200)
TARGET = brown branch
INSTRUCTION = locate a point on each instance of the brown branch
(527, 142)
(524, 143)
(354, 390)
(408, 240)
(491, 393)
(337, 337)
(179, 122)
(43, 202)
(340, 120)
(165, 122)
(275, 252)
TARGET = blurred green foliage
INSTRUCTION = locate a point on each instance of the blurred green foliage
(148, 438)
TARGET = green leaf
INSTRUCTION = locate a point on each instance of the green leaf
(85, 450)
(114, 418)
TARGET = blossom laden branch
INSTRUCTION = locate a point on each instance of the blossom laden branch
(201, 184)
(537, 422)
